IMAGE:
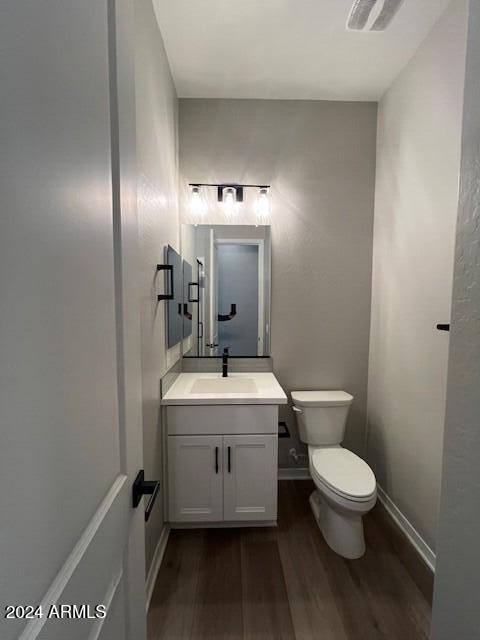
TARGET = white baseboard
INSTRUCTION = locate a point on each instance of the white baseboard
(408, 529)
(294, 473)
(223, 525)
(156, 562)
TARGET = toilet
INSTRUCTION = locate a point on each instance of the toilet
(346, 488)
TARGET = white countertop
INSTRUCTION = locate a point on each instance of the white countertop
(268, 391)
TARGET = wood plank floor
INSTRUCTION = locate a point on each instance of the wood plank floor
(285, 582)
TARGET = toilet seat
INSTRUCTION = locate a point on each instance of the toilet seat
(342, 472)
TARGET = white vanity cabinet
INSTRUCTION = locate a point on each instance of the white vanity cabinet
(222, 451)
(222, 477)
(195, 478)
(250, 477)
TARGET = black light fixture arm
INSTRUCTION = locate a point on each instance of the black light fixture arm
(228, 184)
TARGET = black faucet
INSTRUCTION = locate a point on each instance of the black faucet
(225, 363)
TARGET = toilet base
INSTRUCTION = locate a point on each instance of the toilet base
(343, 532)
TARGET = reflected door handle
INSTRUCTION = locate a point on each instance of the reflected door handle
(216, 459)
(229, 459)
(142, 487)
(229, 316)
(191, 298)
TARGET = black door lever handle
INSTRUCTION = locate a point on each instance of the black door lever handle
(142, 487)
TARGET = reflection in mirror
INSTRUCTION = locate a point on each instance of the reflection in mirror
(175, 306)
(187, 299)
(229, 294)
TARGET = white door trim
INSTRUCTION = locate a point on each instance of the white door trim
(156, 562)
(107, 601)
(212, 291)
(33, 628)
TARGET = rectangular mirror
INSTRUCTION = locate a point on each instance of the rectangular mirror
(228, 296)
(175, 306)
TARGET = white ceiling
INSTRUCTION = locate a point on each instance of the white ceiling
(287, 49)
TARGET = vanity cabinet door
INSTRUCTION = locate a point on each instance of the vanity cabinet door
(195, 478)
(250, 477)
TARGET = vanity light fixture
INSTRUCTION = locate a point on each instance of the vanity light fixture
(229, 193)
(197, 203)
(262, 206)
(231, 196)
(229, 199)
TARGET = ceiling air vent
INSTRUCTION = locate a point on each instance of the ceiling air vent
(361, 10)
(360, 13)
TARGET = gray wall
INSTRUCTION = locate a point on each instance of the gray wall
(319, 158)
(156, 104)
(457, 584)
(418, 155)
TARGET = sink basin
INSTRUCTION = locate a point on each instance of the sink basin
(211, 389)
(224, 385)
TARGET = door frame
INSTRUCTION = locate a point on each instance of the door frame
(457, 581)
(213, 289)
(260, 243)
(126, 265)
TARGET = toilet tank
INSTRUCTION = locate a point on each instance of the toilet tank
(321, 415)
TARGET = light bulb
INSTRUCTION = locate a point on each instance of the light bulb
(197, 203)
(229, 202)
(262, 207)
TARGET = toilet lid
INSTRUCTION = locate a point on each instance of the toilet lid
(321, 398)
(344, 472)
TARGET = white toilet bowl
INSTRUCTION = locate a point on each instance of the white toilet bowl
(345, 485)
(345, 492)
